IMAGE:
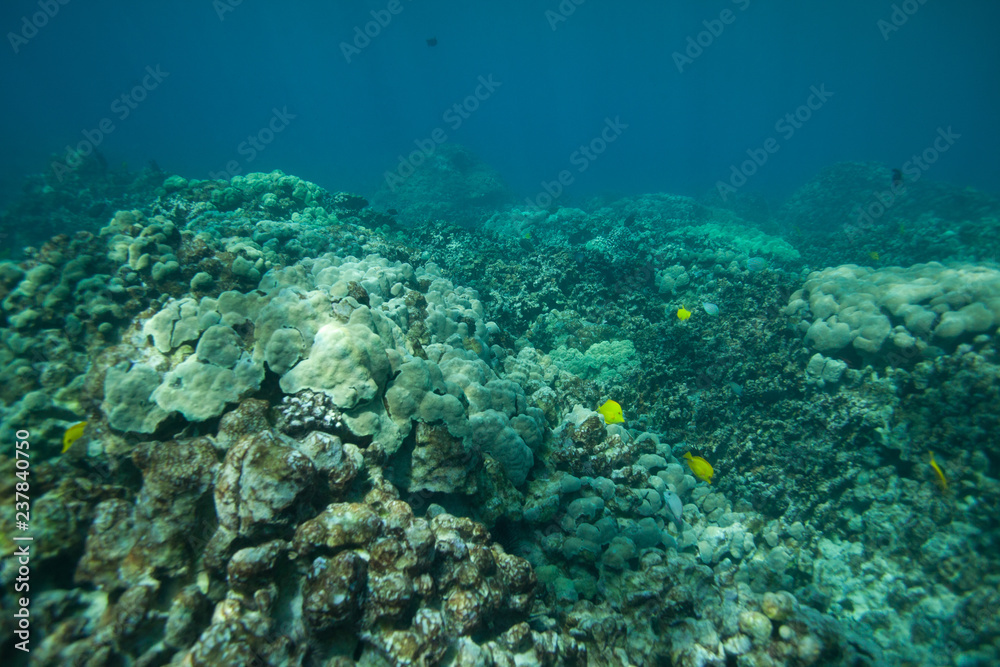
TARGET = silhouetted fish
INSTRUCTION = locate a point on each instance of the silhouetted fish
(432, 41)
(897, 178)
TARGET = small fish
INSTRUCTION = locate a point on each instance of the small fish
(701, 468)
(683, 313)
(527, 235)
(941, 480)
(756, 264)
(873, 255)
(432, 41)
(612, 412)
(902, 229)
(676, 509)
(711, 308)
(72, 434)
(897, 178)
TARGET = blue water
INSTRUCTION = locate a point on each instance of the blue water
(228, 66)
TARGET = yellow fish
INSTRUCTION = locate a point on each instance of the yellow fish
(72, 434)
(941, 479)
(612, 412)
(701, 468)
(683, 313)
(873, 255)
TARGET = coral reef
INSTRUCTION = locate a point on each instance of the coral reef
(314, 436)
(853, 212)
(450, 183)
(908, 310)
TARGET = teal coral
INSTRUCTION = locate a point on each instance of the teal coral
(739, 238)
(606, 362)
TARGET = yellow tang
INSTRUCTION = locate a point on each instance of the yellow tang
(72, 434)
(701, 468)
(683, 313)
(941, 479)
(612, 412)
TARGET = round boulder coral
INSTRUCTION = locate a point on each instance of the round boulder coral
(347, 362)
